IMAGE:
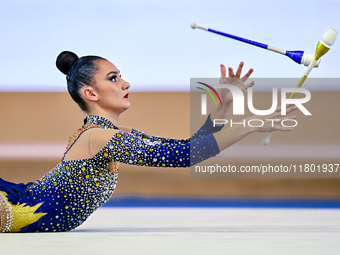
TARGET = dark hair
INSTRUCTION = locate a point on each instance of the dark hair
(79, 72)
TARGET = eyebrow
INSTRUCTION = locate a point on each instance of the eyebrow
(113, 72)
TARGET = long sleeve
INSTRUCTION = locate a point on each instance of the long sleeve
(128, 148)
(205, 129)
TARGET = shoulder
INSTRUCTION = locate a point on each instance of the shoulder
(125, 129)
(100, 134)
(100, 137)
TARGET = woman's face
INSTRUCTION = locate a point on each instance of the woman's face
(110, 88)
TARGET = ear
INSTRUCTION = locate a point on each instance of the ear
(90, 94)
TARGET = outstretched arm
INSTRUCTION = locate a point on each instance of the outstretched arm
(123, 147)
(127, 148)
(206, 129)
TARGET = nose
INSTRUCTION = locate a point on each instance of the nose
(125, 85)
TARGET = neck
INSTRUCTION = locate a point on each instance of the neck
(111, 116)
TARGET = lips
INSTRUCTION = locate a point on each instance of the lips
(127, 95)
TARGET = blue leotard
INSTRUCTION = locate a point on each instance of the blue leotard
(68, 194)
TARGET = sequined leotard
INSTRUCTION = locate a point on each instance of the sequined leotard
(68, 194)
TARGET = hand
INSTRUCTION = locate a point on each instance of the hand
(273, 121)
(233, 79)
(228, 136)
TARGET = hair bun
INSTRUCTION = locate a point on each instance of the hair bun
(65, 60)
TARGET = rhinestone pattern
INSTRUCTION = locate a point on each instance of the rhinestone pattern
(69, 193)
(6, 214)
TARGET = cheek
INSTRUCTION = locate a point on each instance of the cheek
(110, 95)
(106, 90)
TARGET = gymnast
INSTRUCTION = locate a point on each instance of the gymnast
(87, 174)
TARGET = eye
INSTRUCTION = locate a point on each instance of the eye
(114, 78)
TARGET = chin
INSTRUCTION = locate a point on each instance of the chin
(126, 107)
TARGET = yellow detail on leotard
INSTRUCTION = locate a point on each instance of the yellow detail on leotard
(22, 215)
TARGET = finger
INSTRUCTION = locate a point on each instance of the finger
(246, 76)
(239, 69)
(285, 127)
(278, 124)
(282, 128)
(277, 121)
(223, 71)
(291, 109)
(278, 111)
(249, 85)
(289, 117)
(231, 73)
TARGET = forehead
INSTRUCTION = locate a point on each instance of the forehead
(105, 67)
